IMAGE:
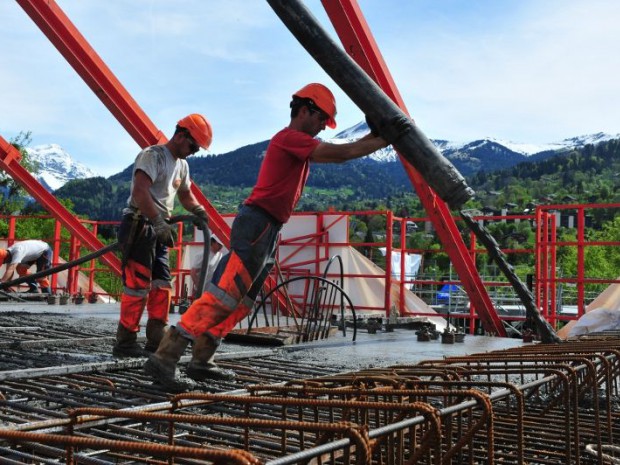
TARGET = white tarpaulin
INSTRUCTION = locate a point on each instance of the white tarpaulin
(367, 291)
(299, 250)
(599, 319)
(412, 264)
(609, 300)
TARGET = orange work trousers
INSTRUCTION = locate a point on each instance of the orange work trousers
(238, 278)
(146, 273)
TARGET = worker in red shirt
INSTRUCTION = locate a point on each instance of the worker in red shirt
(160, 174)
(241, 273)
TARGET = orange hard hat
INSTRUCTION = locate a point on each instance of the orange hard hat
(199, 128)
(3, 254)
(323, 98)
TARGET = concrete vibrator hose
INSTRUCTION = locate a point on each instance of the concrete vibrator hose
(391, 122)
(112, 247)
(544, 329)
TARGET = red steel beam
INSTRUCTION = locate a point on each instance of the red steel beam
(59, 29)
(9, 162)
(359, 43)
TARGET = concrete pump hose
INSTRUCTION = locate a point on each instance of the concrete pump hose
(85, 258)
(393, 124)
(59, 268)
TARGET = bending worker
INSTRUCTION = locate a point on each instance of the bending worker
(160, 173)
(21, 256)
(230, 296)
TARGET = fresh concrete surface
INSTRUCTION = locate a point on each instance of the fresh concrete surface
(399, 347)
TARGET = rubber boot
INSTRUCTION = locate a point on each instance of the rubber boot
(155, 330)
(126, 345)
(162, 365)
(202, 367)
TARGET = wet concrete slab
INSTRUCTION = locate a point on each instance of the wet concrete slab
(392, 348)
(398, 347)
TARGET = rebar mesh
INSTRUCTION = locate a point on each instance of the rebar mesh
(542, 404)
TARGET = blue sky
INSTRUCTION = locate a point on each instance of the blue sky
(531, 71)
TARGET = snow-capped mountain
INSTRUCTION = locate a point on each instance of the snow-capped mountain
(451, 147)
(489, 153)
(56, 166)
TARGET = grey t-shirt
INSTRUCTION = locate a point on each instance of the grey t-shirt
(27, 251)
(168, 174)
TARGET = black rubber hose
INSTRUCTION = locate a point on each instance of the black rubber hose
(393, 124)
(206, 256)
(85, 258)
(544, 329)
(206, 248)
(59, 268)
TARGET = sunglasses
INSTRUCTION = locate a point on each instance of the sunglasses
(193, 146)
(323, 117)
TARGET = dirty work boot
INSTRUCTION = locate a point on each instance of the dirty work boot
(202, 367)
(126, 345)
(155, 330)
(162, 365)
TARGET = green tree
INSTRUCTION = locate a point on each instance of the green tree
(13, 195)
(601, 261)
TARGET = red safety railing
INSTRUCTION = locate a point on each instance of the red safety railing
(375, 285)
(550, 244)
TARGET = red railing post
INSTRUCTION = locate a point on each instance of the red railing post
(357, 39)
(581, 222)
(388, 262)
(553, 271)
(56, 251)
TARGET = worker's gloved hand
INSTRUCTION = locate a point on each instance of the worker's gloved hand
(374, 130)
(164, 231)
(395, 128)
(202, 220)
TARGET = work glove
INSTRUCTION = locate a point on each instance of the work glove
(374, 130)
(164, 231)
(391, 130)
(396, 128)
(202, 220)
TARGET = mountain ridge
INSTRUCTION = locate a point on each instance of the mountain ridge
(56, 166)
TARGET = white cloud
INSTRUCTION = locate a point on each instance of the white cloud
(541, 71)
(522, 70)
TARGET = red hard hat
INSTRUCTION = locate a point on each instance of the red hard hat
(322, 97)
(3, 254)
(199, 128)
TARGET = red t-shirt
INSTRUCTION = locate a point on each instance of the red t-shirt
(283, 173)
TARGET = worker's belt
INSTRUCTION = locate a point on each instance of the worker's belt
(264, 213)
(136, 221)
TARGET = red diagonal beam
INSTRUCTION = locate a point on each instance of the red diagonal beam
(359, 42)
(9, 162)
(59, 29)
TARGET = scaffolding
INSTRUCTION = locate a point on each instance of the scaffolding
(369, 276)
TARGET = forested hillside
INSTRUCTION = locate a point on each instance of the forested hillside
(240, 169)
(590, 174)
